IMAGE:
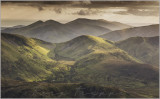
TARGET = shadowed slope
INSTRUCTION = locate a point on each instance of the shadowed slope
(143, 48)
(56, 32)
(143, 31)
(50, 31)
(103, 23)
(17, 89)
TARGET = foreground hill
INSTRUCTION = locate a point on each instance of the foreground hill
(144, 31)
(25, 58)
(85, 59)
(85, 45)
(56, 32)
(99, 61)
(143, 48)
(61, 90)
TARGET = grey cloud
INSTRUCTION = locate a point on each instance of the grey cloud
(40, 8)
(133, 7)
(88, 12)
(58, 10)
(122, 12)
(140, 11)
(144, 12)
(86, 4)
(83, 12)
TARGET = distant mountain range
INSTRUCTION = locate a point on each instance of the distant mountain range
(143, 31)
(56, 32)
(102, 23)
(10, 28)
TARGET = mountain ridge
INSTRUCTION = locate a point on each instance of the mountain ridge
(144, 48)
(85, 59)
(143, 31)
(55, 32)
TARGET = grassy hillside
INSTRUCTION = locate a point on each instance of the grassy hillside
(86, 45)
(18, 89)
(99, 61)
(143, 31)
(85, 59)
(143, 48)
(25, 58)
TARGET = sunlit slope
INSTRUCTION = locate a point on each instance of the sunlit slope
(85, 59)
(143, 48)
(84, 46)
(100, 61)
(24, 58)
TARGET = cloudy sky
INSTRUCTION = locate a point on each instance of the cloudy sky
(136, 13)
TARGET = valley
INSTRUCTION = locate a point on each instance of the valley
(84, 59)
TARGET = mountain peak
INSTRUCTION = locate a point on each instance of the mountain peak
(102, 20)
(85, 19)
(82, 19)
(89, 38)
(36, 23)
(39, 21)
(51, 22)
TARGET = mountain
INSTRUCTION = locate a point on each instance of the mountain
(143, 31)
(18, 26)
(93, 53)
(2, 28)
(143, 48)
(55, 32)
(50, 31)
(84, 28)
(84, 59)
(10, 29)
(26, 58)
(100, 22)
(87, 45)
(101, 62)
